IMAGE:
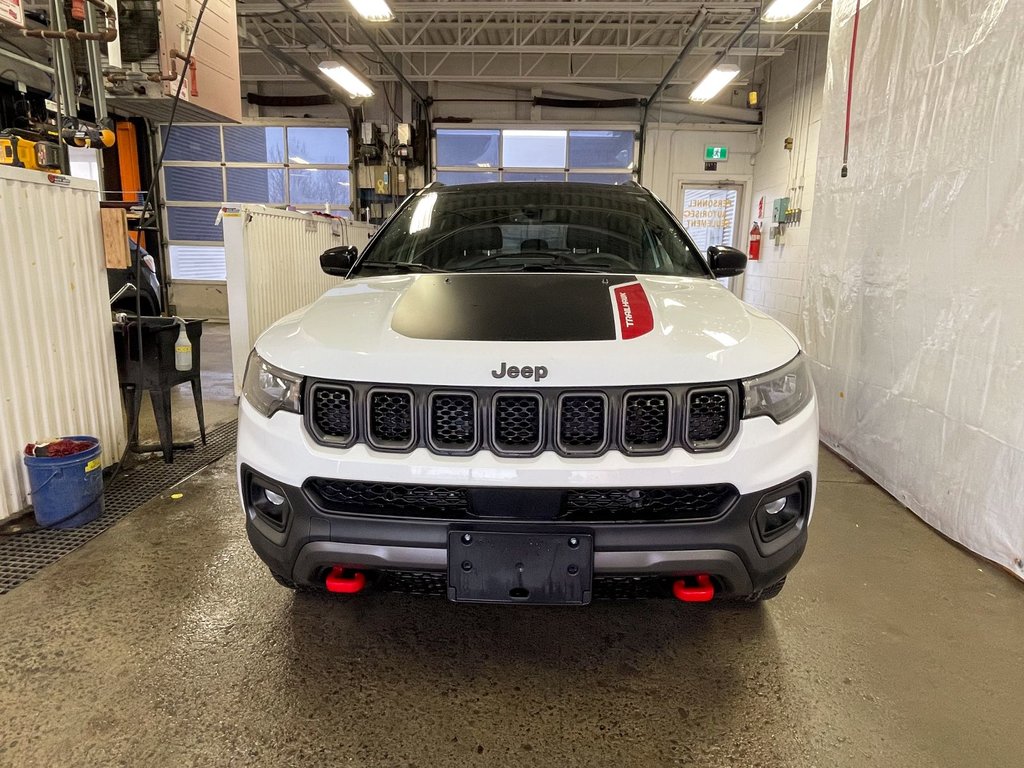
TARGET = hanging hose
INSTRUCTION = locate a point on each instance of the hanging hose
(849, 90)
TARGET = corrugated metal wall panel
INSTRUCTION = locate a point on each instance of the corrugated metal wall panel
(283, 264)
(58, 375)
(273, 264)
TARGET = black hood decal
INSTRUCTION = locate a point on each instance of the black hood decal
(509, 307)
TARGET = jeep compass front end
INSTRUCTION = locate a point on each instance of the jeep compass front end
(530, 393)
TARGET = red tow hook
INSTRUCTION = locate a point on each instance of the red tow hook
(684, 590)
(344, 582)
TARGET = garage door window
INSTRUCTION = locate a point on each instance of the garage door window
(206, 165)
(475, 156)
(534, 149)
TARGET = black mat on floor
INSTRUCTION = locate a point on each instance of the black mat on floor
(22, 555)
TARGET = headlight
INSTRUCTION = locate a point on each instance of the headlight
(269, 389)
(780, 393)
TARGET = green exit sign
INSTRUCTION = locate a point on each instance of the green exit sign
(718, 154)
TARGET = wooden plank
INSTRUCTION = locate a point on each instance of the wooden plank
(115, 238)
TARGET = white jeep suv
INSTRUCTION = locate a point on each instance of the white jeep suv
(529, 393)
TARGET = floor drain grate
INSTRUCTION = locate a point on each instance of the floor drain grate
(25, 554)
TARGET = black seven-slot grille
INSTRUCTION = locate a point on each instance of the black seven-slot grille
(592, 505)
(523, 422)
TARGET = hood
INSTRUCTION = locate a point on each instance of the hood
(560, 330)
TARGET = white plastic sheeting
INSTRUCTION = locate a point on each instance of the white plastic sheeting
(58, 375)
(273, 268)
(914, 313)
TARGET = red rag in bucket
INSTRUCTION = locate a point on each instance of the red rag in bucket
(57, 448)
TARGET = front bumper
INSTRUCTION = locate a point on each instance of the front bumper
(764, 457)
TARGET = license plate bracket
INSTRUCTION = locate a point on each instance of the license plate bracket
(514, 567)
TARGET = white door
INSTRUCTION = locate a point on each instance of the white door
(709, 214)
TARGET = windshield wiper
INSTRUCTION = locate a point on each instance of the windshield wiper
(398, 266)
(537, 268)
(565, 268)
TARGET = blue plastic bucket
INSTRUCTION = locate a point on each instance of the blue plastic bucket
(67, 491)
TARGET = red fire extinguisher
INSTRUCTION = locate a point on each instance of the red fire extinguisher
(754, 251)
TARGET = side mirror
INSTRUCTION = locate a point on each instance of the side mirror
(338, 261)
(726, 261)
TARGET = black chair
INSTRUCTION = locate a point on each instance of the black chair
(157, 375)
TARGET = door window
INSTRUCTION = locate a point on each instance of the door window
(709, 215)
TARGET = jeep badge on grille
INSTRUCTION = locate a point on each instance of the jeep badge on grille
(535, 372)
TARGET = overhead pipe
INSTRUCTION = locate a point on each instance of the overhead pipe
(732, 43)
(175, 56)
(95, 67)
(699, 22)
(693, 35)
(27, 62)
(314, 77)
(313, 30)
(546, 101)
(64, 72)
(108, 35)
(395, 69)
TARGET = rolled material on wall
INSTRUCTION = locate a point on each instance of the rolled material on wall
(913, 313)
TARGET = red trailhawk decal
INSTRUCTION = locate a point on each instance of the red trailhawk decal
(633, 315)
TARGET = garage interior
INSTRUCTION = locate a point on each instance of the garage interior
(861, 152)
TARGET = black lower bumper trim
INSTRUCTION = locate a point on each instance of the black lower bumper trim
(726, 547)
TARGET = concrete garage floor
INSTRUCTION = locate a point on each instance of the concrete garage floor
(164, 642)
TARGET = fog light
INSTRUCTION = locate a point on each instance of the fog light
(268, 502)
(778, 514)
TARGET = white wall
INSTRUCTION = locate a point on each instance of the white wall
(792, 102)
(674, 154)
(913, 313)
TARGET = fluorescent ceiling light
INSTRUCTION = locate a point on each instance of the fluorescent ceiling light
(781, 10)
(346, 78)
(372, 10)
(714, 81)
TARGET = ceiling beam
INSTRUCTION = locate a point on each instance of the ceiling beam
(511, 79)
(691, 42)
(604, 50)
(395, 70)
(302, 72)
(591, 8)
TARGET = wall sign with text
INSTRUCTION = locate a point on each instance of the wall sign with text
(12, 12)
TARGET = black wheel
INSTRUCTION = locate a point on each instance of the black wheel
(767, 593)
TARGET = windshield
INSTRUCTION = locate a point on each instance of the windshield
(533, 227)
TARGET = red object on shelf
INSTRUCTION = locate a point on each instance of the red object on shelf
(702, 593)
(78, 10)
(345, 583)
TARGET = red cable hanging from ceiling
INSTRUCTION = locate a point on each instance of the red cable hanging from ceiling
(849, 90)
